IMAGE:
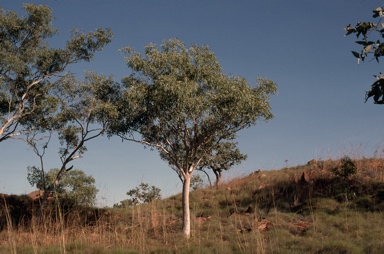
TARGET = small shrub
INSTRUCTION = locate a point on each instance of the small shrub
(142, 194)
(344, 172)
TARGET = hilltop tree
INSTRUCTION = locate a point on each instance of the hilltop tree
(142, 194)
(343, 173)
(180, 103)
(223, 158)
(75, 186)
(29, 66)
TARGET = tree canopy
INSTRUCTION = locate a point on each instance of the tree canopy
(75, 186)
(223, 158)
(37, 96)
(142, 194)
(28, 65)
(182, 104)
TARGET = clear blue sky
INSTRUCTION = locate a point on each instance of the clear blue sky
(319, 110)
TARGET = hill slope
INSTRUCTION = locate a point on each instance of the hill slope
(304, 209)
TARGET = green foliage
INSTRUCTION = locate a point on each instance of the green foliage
(142, 194)
(222, 158)
(188, 107)
(29, 66)
(371, 34)
(75, 185)
(196, 182)
(346, 170)
(36, 177)
(85, 110)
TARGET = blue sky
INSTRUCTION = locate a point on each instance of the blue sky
(319, 110)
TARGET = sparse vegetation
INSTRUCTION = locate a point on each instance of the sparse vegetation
(142, 194)
(292, 210)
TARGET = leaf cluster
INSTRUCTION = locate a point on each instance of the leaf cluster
(196, 182)
(84, 110)
(141, 194)
(369, 44)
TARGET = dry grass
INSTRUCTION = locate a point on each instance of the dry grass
(292, 210)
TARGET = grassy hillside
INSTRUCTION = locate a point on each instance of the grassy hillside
(304, 209)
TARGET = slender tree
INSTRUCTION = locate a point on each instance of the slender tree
(29, 66)
(85, 111)
(180, 102)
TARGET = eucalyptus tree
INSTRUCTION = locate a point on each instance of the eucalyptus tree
(85, 110)
(179, 102)
(29, 66)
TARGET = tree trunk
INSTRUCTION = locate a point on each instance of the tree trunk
(186, 212)
(209, 179)
(49, 190)
(218, 177)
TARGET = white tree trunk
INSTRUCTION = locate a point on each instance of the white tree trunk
(186, 212)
